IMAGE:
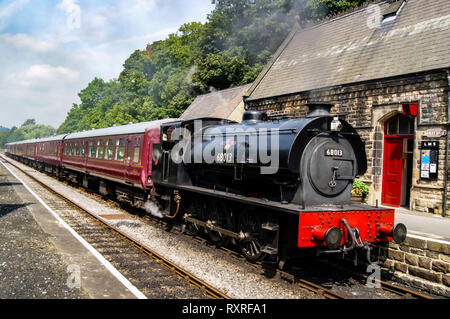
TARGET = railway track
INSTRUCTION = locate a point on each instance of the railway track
(128, 255)
(317, 289)
(320, 290)
(402, 292)
(387, 286)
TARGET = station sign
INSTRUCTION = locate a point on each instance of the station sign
(435, 132)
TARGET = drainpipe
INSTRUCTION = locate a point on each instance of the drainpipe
(444, 205)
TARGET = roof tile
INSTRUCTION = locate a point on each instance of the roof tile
(347, 49)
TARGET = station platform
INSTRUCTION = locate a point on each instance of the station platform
(41, 259)
(425, 225)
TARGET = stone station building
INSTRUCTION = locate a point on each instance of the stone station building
(386, 69)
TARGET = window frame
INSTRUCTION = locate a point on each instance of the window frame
(137, 145)
(119, 146)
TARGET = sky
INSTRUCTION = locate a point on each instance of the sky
(51, 49)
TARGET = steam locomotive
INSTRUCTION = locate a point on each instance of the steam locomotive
(273, 188)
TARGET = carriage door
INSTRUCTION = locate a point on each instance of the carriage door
(129, 160)
(397, 161)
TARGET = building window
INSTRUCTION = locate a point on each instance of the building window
(393, 11)
(400, 125)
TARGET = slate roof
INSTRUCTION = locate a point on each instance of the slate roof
(350, 48)
(219, 104)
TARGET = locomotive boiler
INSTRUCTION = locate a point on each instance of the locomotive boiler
(308, 161)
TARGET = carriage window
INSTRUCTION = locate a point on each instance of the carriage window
(109, 150)
(120, 149)
(91, 149)
(137, 144)
(71, 149)
(129, 149)
(66, 149)
(82, 149)
(100, 144)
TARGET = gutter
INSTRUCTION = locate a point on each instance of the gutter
(444, 201)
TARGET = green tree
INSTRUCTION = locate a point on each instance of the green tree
(230, 49)
(29, 130)
(29, 122)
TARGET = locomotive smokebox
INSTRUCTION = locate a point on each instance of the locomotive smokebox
(318, 109)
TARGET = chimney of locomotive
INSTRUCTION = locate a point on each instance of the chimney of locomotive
(318, 109)
(254, 116)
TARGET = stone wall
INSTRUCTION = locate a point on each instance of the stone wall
(424, 263)
(367, 107)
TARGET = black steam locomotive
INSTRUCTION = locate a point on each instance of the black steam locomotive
(271, 187)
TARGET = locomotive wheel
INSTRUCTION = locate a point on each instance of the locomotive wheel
(219, 214)
(250, 224)
(196, 209)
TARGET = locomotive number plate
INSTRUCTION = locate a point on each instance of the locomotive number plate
(334, 152)
(224, 158)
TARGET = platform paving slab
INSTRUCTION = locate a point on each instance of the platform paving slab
(422, 224)
(39, 257)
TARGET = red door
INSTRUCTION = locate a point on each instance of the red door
(392, 171)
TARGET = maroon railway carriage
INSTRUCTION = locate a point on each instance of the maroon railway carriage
(24, 151)
(116, 159)
(49, 153)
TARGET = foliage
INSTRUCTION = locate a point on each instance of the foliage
(230, 49)
(28, 130)
(360, 188)
(3, 137)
